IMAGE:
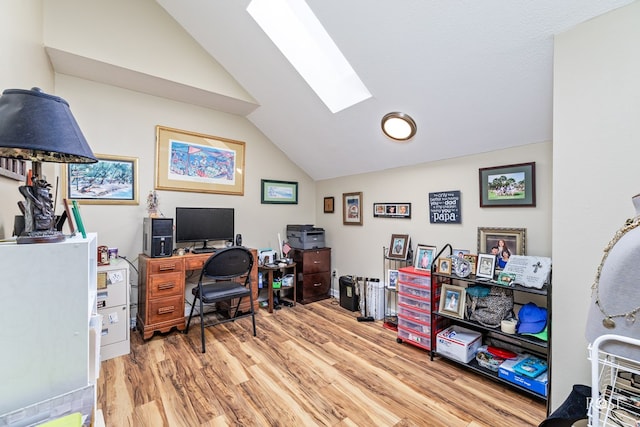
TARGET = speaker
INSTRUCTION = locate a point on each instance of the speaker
(238, 239)
(157, 235)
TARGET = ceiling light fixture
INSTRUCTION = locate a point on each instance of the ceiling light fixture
(399, 126)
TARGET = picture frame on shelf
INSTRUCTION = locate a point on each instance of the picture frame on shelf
(460, 252)
(452, 300)
(508, 185)
(278, 192)
(180, 156)
(424, 257)
(392, 279)
(112, 180)
(352, 208)
(399, 246)
(392, 210)
(329, 205)
(486, 266)
(444, 265)
(473, 261)
(514, 239)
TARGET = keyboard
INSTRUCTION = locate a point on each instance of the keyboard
(203, 250)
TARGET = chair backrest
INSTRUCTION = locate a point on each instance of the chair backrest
(228, 263)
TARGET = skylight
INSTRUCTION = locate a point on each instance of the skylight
(302, 39)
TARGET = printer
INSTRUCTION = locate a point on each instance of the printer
(305, 236)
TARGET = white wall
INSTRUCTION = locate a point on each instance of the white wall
(596, 149)
(358, 249)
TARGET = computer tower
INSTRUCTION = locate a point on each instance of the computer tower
(157, 237)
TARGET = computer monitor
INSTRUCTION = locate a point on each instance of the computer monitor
(204, 224)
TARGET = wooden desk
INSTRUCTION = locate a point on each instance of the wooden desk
(287, 269)
(161, 291)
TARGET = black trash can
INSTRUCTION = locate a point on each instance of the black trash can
(348, 297)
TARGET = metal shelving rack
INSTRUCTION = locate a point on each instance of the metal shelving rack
(390, 320)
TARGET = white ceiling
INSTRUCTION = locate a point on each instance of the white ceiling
(475, 75)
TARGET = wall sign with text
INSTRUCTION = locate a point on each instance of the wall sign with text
(444, 207)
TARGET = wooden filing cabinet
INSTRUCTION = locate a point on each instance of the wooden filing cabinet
(160, 294)
(113, 305)
(314, 274)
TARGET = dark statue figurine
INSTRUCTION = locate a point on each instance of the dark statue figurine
(38, 215)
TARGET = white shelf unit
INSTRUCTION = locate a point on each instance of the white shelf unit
(615, 385)
(47, 309)
(113, 306)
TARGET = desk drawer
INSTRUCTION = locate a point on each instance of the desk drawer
(315, 285)
(167, 265)
(163, 285)
(165, 309)
(316, 261)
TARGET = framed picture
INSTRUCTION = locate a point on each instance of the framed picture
(453, 300)
(486, 266)
(473, 261)
(444, 265)
(278, 192)
(112, 180)
(392, 279)
(508, 186)
(424, 257)
(328, 205)
(189, 161)
(70, 218)
(460, 252)
(496, 240)
(392, 210)
(399, 246)
(352, 208)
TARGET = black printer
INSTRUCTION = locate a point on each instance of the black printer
(305, 236)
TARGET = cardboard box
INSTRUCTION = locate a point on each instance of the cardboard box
(537, 384)
(458, 343)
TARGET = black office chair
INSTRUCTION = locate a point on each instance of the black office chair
(216, 284)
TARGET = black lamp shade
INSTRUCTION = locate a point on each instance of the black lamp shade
(40, 127)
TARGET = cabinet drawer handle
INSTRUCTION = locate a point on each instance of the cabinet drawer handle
(166, 267)
(165, 310)
(316, 262)
(165, 286)
(317, 284)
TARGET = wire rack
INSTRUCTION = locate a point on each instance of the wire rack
(615, 385)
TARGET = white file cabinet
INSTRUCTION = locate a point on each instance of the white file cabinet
(113, 305)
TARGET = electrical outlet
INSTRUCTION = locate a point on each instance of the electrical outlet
(334, 273)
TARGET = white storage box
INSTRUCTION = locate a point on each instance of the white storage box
(458, 343)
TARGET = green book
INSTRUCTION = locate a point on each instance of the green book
(76, 215)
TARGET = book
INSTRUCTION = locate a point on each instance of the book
(79, 223)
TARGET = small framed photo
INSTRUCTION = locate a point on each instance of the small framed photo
(352, 208)
(453, 300)
(486, 266)
(392, 279)
(392, 210)
(473, 261)
(424, 257)
(508, 186)
(328, 205)
(399, 246)
(444, 265)
(460, 252)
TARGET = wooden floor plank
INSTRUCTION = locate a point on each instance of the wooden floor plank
(309, 365)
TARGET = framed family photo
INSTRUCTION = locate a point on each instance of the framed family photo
(399, 246)
(190, 161)
(508, 186)
(453, 300)
(112, 180)
(496, 240)
(424, 257)
(392, 210)
(352, 208)
(486, 266)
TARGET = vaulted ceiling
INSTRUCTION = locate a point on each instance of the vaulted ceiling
(476, 76)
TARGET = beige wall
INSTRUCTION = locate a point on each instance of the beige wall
(595, 151)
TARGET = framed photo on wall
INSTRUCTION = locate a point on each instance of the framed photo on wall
(328, 205)
(508, 186)
(278, 192)
(352, 208)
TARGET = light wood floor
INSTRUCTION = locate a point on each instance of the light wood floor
(309, 365)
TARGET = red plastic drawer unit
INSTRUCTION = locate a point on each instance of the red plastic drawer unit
(416, 315)
(414, 338)
(413, 326)
(414, 291)
(414, 303)
(411, 276)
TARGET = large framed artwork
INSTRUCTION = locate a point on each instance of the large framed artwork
(508, 186)
(189, 161)
(112, 180)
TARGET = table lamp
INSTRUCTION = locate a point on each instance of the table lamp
(39, 127)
